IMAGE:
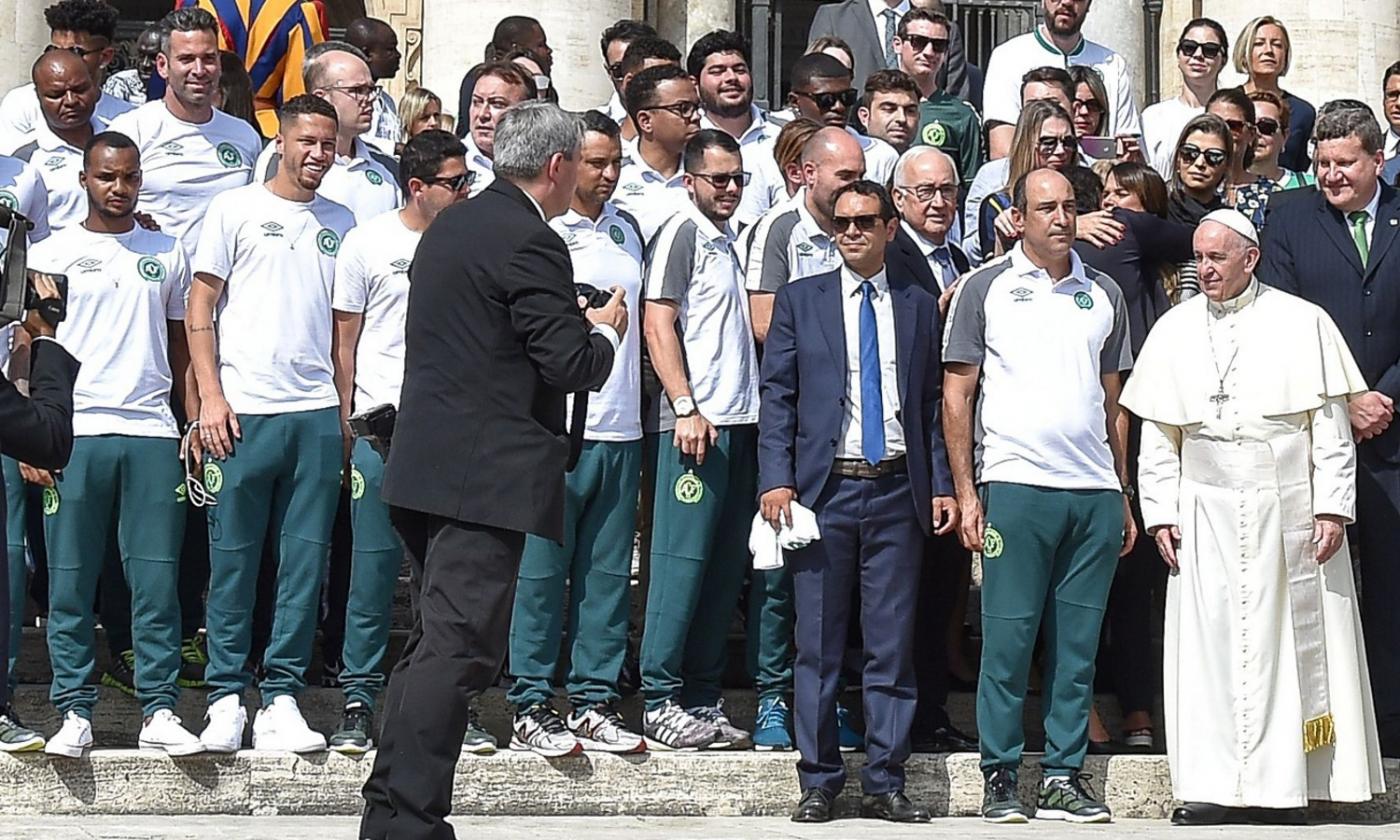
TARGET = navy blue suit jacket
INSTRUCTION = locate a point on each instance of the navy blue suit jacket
(1308, 250)
(803, 392)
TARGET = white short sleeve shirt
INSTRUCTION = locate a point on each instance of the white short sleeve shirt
(21, 114)
(360, 183)
(1001, 96)
(649, 196)
(58, 165)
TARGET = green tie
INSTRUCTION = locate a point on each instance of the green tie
(1358, 234)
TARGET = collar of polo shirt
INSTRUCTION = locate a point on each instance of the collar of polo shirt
(1079, 48)
(708, 229)
(806, 220)
(1022, 265)
(50, 142)
(756, 132)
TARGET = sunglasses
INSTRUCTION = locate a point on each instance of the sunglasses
(828, 101)
(684, 110)
(1047, 145)
(75, 50)
(1209, 52)
(456, 183)
(1090, 105)
(864, 223)
(923, 42)
(1267, 127)
(615, 71)
(1189, 153)
(722, 180)
(1236, 126)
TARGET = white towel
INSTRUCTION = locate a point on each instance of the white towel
(767, 545)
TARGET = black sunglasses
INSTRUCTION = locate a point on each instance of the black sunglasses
(456, 183)
(1209, 52)
(828, 101)
(615, 71)
(1189, 153)
(722, 180)
(864, 223)
(1236, 126)
(1090, 105)
(75, 50)
(1047, 145)
(923, 42)
(1267, 126)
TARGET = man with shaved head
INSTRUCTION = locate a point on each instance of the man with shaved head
(1248, 478)
(68, 99)
(1033, 351)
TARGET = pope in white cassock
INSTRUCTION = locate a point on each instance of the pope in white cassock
(1247, 478)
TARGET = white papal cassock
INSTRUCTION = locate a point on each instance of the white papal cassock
(1245, 439)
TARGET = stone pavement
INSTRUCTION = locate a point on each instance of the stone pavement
(645, 828)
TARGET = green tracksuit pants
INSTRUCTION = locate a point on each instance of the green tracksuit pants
(376, 555)
(17, 574)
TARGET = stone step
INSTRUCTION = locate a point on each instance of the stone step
(522, 784)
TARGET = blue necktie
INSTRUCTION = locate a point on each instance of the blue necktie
(945, 267)
(872, 406)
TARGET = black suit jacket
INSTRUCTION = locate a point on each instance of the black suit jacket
(851, 21)
(39, 430)
(494, 343)
(1308, 250)
(904, 259)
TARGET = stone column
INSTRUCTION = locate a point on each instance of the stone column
(682, 22)
(1118, 24)
(25, 34)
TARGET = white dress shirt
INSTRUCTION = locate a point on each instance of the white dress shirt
(877, 11)
(1392, 144)
(851, 299)
(930, 250)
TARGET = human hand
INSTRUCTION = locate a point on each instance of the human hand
(614, 314)
(946, 299)
(1168, 538)
(1006, 226)
(693, 435)
(945, 515)
(1130, 530)
(1327, 536)
(145, 220)
(776, 506)
(1370, 414)
(218, 426)
(43, 319)
(1099, 229)
(1129, 149)
(971, 527)
(34, 475)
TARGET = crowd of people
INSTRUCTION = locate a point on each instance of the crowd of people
(987, 255)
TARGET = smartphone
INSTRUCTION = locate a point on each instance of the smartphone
(1099, 148)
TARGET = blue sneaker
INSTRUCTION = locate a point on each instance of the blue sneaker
(770, 731)
(847, 736)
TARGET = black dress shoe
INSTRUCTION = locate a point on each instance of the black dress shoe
(893, 806)
(1279, 816)
(944, 739)
(1206, 813)
(815, 807)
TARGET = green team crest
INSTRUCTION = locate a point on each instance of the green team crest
(934, 134)
(150, 269)
(992, 543)
(182, 493)
(1083, 300)
(8, 200)
(615, 234)
(689, 489)
(228, 155)
(374, 177)
(328, 241)
(357, 484)
(50, 501)
(213, 477)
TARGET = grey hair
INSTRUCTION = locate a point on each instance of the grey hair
(1350, 122)
(529, 134)
(912, 155)
(313, 71)
(191, 19)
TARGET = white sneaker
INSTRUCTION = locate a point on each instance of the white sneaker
(165, 733)
(72, 739)
(601, 728)
(538, 729)
(227, 720)
(280, 727)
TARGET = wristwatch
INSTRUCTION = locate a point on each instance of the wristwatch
(683, 406)
(1130, 491)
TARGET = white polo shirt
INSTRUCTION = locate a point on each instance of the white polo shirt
(21, 114)
(693, 264)
(184, 165)
(58, 165)
(1043, 347)
(371, 279)
(880, 157)
(365, 182)
(756, 147)
(788, 245)
(22, 189)
(1001, 94)
(481, 167)
(852, 430)
(649, 196)
(123, 290)
(277, 260)
(1161, 128)
(606, 253)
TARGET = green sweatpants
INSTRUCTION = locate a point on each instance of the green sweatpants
(1048, 557)
(134, 485)
(17, 574)
(699, 554)
(282, 479)
(376, 556)
(768, 640)
(595, 561)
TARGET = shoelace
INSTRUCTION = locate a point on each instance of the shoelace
(1003, 785)
(195, 490)
(1079, 783)
(773, 714)
(548, 720)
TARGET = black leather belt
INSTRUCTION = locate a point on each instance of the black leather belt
(861, 468)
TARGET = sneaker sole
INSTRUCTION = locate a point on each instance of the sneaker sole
(772, 747)
(60, 751)
(520, 746)
(479, 749)
(1016, 818)
(848, 749)
(614, 749)
(299, 750)
(34, 744)
(1066, 816)
(661, 746)
(351, 749)
(176, 750)
(221, 749)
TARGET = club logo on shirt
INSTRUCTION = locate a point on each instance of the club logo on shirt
(570, 240)
(50, 501)
(172, 148)
(213, 477)
(401, 265)
(328, 241)
(150, 269)
(615, 234)
(632, 189)
(934, 134)
(689, 489)
(272, 229)
(374, 177)
(1022, 294)
(1083, 300)
(804, 249)
(992, 543)
(228, 155)
(8, 200)
(54, 162)
(357, 484)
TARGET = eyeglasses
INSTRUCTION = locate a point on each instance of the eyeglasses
(75, 50)
(1236, 126)
(1189, 153)
(1266, 126)
(923, 42)
(828, 101)
(864, 223)
(927, 192)
(363, 92)
(722, 180)
(1092, 106)
(684, 110)
(1208, 51)
(456, 183)
(615, 71)
(1047, 145)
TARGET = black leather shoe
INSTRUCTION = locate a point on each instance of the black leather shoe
(1279, 816)
(893, 806)
(815, 807)
(1206, 813)
(945, 739)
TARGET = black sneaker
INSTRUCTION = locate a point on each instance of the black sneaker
(353, 736)
(999, 801)
(121, 674)
(193, 659)
(1070, 798)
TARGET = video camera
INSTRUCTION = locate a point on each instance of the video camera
(596, 298)
(17, 292)
(376, 425)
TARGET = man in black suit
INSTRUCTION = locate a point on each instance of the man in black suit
(926, 185)
(849, 427)
(37, 431)
(1334, 247)
(495, 342)
(870, 37)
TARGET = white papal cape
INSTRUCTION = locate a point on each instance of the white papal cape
(1245, 439)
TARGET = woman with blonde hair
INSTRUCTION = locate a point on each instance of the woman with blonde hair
(1264, 52)
(419, 110)
(1044, 138)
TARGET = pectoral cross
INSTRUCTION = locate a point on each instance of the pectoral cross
(1219, 398)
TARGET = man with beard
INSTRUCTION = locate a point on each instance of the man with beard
(265, 263)
(1058, 42)
(719, 63)
(67, 96)
(890, 108)
(702, 432)
(615, 42)
(821, 90)
(945, 121)
(377, 40)
(362, 179)
(499, 85)
(666, 110)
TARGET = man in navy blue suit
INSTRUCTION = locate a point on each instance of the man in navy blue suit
(848, 427)
(1336, 247)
